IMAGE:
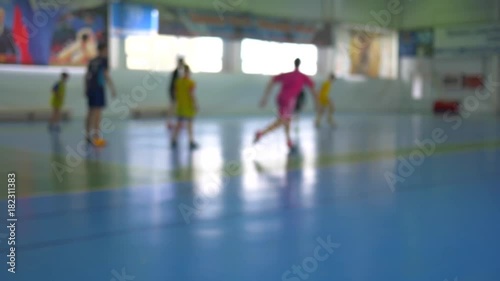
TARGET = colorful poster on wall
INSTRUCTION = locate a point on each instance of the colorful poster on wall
(77, 33)
(236, 26)
(416, 43)
(365, 53)
(37, 32)
(8, 48)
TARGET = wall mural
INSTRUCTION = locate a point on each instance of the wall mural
(40, 32)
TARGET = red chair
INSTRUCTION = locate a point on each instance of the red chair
(441, 106)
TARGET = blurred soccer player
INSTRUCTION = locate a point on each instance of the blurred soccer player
(175, 75)
(57, 101)
(292, 84)
(324, 102)
(95, 89)
(187, 106)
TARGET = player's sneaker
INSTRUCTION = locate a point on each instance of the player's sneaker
(99, 142)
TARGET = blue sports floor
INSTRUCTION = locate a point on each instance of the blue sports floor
(359, 203)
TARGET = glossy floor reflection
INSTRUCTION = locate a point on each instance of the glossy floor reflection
(349, 206)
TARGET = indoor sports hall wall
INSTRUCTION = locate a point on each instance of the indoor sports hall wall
(238, 94)
(219, 94)
(455, 66)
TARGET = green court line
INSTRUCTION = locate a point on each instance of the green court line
(360, 157)
(36, 178)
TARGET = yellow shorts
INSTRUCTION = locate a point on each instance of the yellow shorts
(57, 103)
(186, 112)
(324, 101)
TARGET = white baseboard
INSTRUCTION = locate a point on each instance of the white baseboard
(31, 114)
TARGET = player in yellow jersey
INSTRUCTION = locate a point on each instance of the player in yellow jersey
(57, 101)
(186, 105)
(324, 102)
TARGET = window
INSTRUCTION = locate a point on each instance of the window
(271, 58)
(160, 52)
(137, 50)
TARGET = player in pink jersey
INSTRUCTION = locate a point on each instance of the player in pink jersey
(292, 84)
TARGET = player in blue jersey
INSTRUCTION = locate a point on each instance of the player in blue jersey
(95, 89)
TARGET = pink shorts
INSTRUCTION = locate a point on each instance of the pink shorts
(286, 108)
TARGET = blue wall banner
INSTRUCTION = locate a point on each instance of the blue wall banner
(236, 26)
(129, 19)
(478, 39)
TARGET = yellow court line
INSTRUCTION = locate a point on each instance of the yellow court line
(186, 174)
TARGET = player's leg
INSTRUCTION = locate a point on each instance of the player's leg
(96, 103)
(55, 104)
(331, 110)
(286, 124)
(93, 133)
(52, 118)
(298, 109)
(171, 111)
(176, 130)
(88, 126)
(192, 143)
(56, 118)
(92, 122)
(319, 115)
(96, 127)
(271, 127)
(285, 112)
(89, 121)
(99, 103)
(97, 122)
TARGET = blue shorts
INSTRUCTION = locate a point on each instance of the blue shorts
(96, 98)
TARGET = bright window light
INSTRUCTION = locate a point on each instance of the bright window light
(205, 54)
(271, 58)
(417, 88)
(160, 52)
(134, 63)
(138, 45)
